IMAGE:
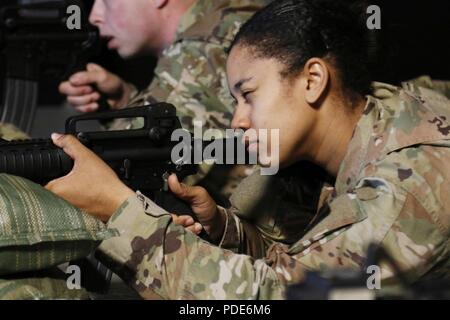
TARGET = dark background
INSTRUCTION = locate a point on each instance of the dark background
(414, 40)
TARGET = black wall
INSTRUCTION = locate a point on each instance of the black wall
(415, 40)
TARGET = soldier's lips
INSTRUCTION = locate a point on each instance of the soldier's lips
(111, 43)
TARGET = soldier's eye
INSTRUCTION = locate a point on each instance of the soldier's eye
(246, 96)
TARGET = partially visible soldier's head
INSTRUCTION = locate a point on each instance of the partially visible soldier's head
(136, 27)
(290, 64)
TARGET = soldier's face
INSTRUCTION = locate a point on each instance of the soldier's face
(264, 100)
(130, 26)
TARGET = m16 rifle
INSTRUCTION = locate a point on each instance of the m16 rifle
(141, 158)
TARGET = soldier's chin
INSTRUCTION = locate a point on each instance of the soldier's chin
(126, 53)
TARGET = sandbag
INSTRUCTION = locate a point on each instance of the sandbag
(39, 230)
(39, 289)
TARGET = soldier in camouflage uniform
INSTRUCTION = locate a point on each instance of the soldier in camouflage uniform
(190, 72)
(389, 153)
(396, 196)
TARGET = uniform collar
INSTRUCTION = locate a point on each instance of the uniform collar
(357, 150)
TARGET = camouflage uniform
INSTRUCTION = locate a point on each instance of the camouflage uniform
(392, 189)
(191, 75)
(437, 85)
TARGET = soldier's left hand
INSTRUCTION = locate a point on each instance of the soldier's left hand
(91, 185)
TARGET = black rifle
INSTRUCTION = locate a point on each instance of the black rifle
(142, 158)
(35, 42)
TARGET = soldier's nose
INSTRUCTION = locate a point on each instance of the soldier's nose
(241, 119)
(95, 17)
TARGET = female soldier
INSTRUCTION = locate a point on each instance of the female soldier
(300, 67)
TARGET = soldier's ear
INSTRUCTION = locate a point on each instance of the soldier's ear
(316, 75)
(158, 4)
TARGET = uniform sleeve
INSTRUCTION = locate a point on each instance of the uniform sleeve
(191, 75)
(162, 260)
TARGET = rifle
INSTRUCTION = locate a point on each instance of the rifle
(35, 42)
(141, 158)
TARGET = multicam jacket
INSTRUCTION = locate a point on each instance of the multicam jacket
(392, 189)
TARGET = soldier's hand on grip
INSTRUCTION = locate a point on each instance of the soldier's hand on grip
(85, 88)
(203, 205)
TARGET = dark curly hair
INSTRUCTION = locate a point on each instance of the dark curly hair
(293, 31)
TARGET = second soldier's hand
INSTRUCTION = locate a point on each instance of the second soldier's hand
(203, 206)
(84, 89)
